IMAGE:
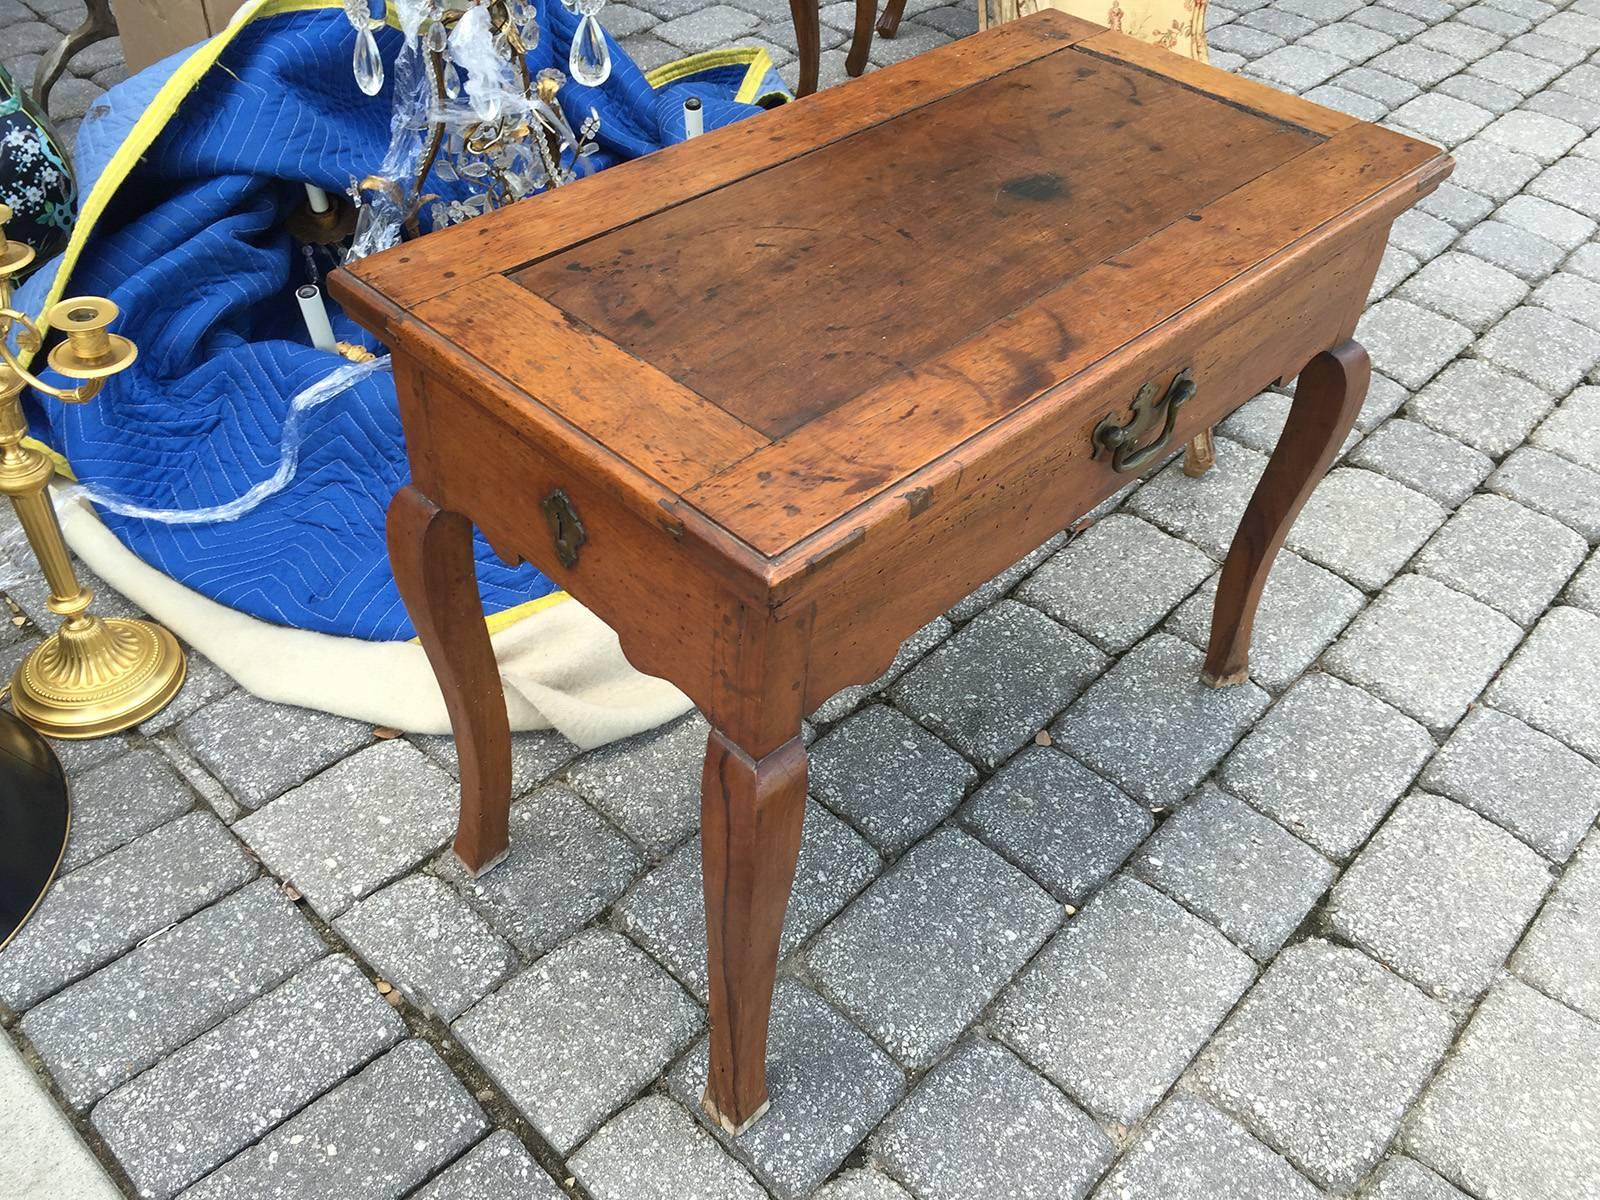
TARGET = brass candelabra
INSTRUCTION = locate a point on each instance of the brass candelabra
(94, 676)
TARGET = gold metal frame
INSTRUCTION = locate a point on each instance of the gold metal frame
(94, 676)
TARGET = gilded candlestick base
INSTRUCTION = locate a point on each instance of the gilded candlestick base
(98, 676)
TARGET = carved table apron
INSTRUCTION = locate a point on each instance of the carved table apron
(769, 401)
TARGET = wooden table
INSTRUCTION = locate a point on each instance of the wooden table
(770, 400)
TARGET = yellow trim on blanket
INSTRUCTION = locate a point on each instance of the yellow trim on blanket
(757, 63)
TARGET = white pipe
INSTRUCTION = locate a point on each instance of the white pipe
(693, 119)
(318, 199)
(315, 313)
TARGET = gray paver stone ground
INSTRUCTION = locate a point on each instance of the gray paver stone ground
(1544, 481)
(203, 683)
(423, 938)
(372, 1137)
(260, 750)
(862, 1184)
(915, 647)
(1152, 727)
(1117, 1005)
(995, 683)
(1439, 895)
(1573, 183)
(980, 599)
(1561, 954)
(1410, 344)
(168, 1128)
(1425, 461)
(1364, 526)
(1509, 557)
(1296, 68)
(982, 1124)
(1206, 510)
(1246, 874)
(1327, 762)
(649, 784)
(1546, 349)
(1425, 648)
(1554, 222)
(888, 776)
(117, 801)
(564, 865)
(1406, 1179)
(1303, 608)
(579, 1032)
(1190, 1151)
(1323, 1058)
(1465, 288)
(666, 912)
(1422, 235)
(706, 27)
(829, 1087)
(1511, 248)
(1521, 779)
(1059, 821)
(654, 1150)
(1440, 118)
(1515, 1112)
(1478, 404)
(921, 952)
(1549, 682)
(1571, 296)
(358, 825)
(1456, 204)
(104, 909)
(1573, 429)
(497, 1168)
(1491, 170)
(1584, 590)
(105, 1029)
(1116, 581)
(536, 754)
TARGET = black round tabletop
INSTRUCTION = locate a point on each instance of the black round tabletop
(34, 819)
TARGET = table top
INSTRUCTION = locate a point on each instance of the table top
(781, 321)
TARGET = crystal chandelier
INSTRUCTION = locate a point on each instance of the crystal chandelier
(467, 114)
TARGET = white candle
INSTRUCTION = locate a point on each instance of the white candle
(317, 198)
(693, 118)
(315, 313)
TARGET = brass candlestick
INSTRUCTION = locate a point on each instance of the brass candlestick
(94, 675)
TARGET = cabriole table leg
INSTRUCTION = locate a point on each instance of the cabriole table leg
(751, 814)
(431, 552)
(1326, 402)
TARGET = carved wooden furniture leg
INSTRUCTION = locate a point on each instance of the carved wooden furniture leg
(751, 813)
(808, 40)
(861, 39)
(1200, 455)
(889, 23)
(1326, 402)
(431, 551)
(98, 25)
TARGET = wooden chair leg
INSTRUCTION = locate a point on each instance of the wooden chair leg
(751, 814)
(1326, 403)
(861, 39)
(808, 41)
(1200, 455)
(431, 552)
(889, 23)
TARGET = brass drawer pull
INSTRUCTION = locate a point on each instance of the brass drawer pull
(565, 527)
(1122, 438)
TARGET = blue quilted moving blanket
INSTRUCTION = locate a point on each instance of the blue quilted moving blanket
(192, 247)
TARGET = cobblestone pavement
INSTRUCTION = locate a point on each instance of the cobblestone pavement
(1101, 933)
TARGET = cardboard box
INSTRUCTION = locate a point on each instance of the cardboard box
(153, 29)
